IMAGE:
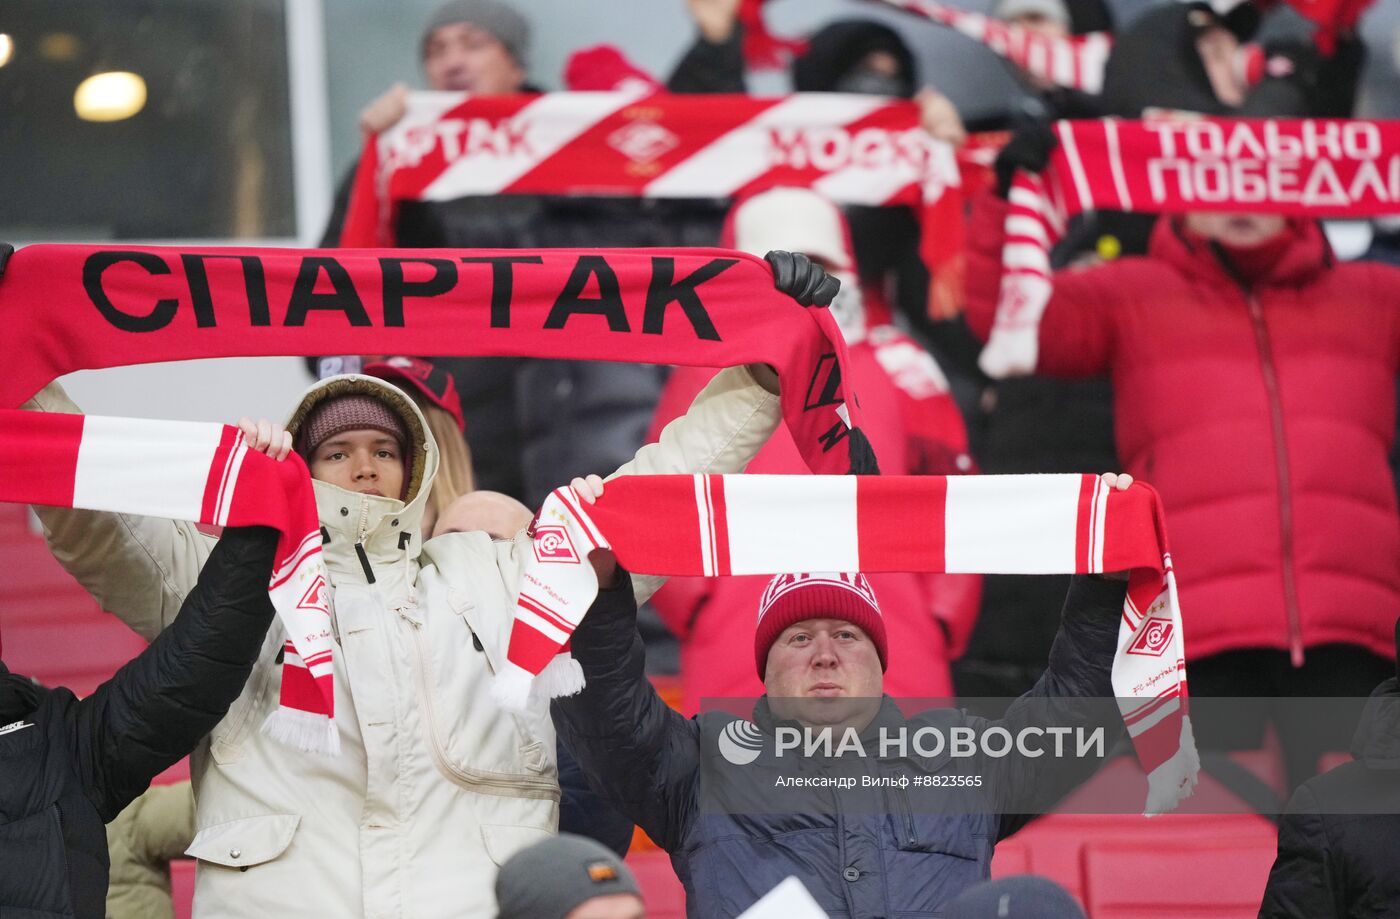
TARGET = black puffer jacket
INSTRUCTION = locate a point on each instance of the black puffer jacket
(67, 766)
(1339, 842)
(899, 850)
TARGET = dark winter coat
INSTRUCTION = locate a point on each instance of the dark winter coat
(1339, 842)
(67, 766)
(711, 67)
(869, 852)
(1262, 410)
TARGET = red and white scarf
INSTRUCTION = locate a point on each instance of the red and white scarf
(1076, 62)
(756, 524)
(204, 473)
(762, 49)
(1315, 168)
(67, 308)
(853, 149)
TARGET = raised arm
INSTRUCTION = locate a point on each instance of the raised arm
(715, 62)
(138, 568)
(1076, 330)
(639, 754)
(1076, 691)
(158, 707)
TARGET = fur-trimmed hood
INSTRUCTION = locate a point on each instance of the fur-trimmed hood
(384, 528)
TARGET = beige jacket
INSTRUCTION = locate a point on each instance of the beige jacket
(154, 829)
(435, 785)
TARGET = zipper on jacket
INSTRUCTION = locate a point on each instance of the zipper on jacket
(911, 836)
(360, 552)
(517, 786)
(1285, 502)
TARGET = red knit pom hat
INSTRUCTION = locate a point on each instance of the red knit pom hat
(792, 598)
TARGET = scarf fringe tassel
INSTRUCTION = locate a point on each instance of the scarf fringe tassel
(306, 731)
(1173, 781)
(514, 687)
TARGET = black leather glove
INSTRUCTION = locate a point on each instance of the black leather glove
(1029, 149)
(795, 275)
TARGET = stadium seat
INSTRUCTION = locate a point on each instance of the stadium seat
(182, 886)
(1011, 857)
(1204, 878)
(1054, 844)
(50, 628)
(662, 890)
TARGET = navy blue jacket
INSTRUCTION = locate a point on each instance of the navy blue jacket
(896, 849)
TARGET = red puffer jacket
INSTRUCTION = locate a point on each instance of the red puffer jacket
(1262, 412)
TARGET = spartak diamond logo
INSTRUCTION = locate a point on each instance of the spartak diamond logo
(315, 597)
(552, 544)
(642, 141)
(1153, 637)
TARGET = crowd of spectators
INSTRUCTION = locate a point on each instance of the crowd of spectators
(1232, 361)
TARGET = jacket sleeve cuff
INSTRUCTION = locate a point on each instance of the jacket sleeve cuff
(52, 398)
(606, 632)
(1088, 636)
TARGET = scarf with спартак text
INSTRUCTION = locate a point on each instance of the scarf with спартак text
(640, 143)
(1311, 168)
(68, 308)
(205, 473)
(773, 524)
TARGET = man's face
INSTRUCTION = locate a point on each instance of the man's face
(460, 57)
(1239, 231)
(366, 461)
(824, 672)
(613, 906)
(1218, 48)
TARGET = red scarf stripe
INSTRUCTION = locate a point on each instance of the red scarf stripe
(714, 486)
(43, 454)
(218, 474)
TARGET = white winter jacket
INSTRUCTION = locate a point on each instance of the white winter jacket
(435, 785)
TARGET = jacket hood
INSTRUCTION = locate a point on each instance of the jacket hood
(1155, 64)
(834, 50)
(1377, 738)
(1305, 255)
(335, 504)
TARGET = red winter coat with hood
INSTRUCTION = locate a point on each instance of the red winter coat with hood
(1260, 402)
